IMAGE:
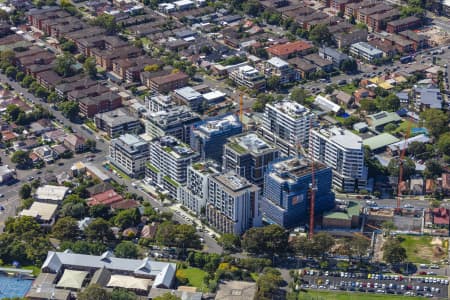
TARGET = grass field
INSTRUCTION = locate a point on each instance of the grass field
(420, 249)
(349, 88)
(195, 276)
(326, 295)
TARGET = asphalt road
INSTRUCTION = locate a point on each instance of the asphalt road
(11, 192)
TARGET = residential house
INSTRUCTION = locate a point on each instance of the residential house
(107, 198)
(323, 64)
(342, 98)
(75, 143)
(305, 68)
(41, 126)
(45, 153)
(427, 98)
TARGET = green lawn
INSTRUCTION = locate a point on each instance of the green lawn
(349, 88)
(91, 125)
(419, 249)
(195, 276)
(402, 127)
(326, 295)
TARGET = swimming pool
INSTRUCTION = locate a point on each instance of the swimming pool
(13, 287)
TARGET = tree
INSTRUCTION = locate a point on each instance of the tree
(108, 22)
(167, 296)
(349, 65)
(151, 68)
(298, 95)
(126, 249)
(368, 105)
(444, 143)
(273, 83)
(20, 76)
(11, 72)
(323, 242)
(268, 284)
(91, 145)
(329, 89)
(90, 67)
(416, 148)
(65, 229)
(393, 252)
(433, 169)
(25, 191)
(64, 65)
(99, 230)
(94, 292)
(27, 81)
(122, 294)
(99, 211)
(73, 209)
(388, 226)
(320, 35)
(21, 158)
(229, 241)
(391, 127)
(359, 246)
(276, 239)
(252, 7)
(388, 103)
(13, 111)
(127, 218)
(7, 57)
(25, 227)
(409, 167)
(253, 241)
(436, 121)
(69, 46)
(69, 109)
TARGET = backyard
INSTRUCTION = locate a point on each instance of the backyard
(195, 277)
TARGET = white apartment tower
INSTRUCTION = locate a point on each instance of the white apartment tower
(343, 151)
(232, 204)
(287, 125)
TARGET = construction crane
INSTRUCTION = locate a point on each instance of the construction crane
(313, 189)
(400, 169)
(241, 107)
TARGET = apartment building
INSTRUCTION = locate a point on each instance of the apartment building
(209, 136)
(287, 125)
(343, 151)
(249, 77)
(286, 195)
(248, 155)
(364, 13)
(117, 122)
(158, 103)
(279, 68)
(167, 83)
(411, 22)
(129, 153)
(232, 203)
(195, 193)
(365, 51)
(168, 163)
(176, 121)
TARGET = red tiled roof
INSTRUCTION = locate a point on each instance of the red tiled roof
(289, 48)
(106, 198)
(441, 216)
(8, 135)
(125, 204)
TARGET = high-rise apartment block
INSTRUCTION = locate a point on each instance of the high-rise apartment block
(176, 121)
(233, 203)
(209, 136)
(194, 194)
(249, 155)
(286, 196)
(168, 163)
(129, 153)
(287, 125)
(343, 151)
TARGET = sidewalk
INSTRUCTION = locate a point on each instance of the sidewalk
(177, 209)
